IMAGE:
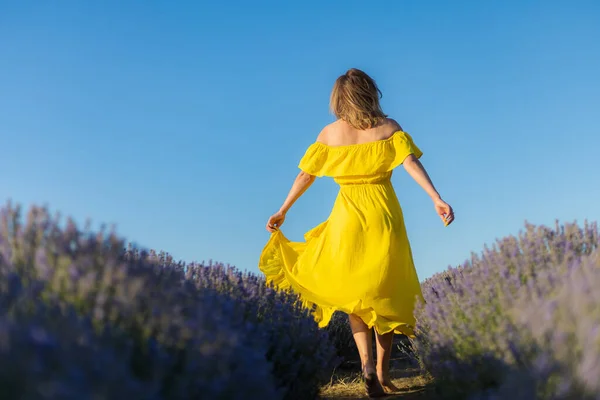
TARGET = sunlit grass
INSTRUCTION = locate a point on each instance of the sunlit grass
(349, 385)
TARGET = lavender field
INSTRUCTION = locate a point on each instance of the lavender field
(521, 320)
(85, 315)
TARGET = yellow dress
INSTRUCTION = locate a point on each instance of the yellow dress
(359, 260)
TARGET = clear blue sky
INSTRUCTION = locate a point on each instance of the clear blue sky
(183, 122)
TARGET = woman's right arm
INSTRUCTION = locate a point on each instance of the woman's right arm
(415, 169)
(301, 183)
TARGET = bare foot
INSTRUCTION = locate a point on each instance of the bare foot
(390, 387)
(372, 385)
(387, 384)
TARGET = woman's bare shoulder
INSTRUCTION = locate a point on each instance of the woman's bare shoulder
(327, 132)
(336, 133)
(393, 124)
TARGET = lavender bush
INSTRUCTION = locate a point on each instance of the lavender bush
(491, 327)
(341, 334)
(303, 356)
(172, 338)
(560, 337)
(49, 352)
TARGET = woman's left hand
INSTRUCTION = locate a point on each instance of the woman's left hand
(444, 210)
(275, 221)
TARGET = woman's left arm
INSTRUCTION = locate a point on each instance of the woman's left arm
(416, 170)
(301, 184)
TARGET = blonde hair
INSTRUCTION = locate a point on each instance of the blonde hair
(355, 99)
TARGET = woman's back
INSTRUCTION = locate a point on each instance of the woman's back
(350, 155)
(340, 133)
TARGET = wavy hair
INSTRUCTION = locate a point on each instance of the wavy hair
(355, 99)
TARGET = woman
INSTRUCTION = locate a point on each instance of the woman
(359, 260)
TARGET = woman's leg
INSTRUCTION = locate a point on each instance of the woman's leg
(364, 343)
(384, 353)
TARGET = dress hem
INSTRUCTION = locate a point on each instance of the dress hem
(272, 266)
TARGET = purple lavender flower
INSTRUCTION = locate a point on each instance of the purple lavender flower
(493, 325)
(83, 318)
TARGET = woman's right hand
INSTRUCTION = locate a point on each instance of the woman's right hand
(275, 221)
(444, 210)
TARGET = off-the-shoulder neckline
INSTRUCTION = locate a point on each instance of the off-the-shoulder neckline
(392, 136)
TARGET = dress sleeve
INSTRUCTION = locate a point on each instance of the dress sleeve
(402, 146)
(314, 160)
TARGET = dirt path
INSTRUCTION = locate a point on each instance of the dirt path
(349, 385)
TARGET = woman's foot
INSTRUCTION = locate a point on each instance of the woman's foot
(372, 384)
(389, 387)
(386, 384)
